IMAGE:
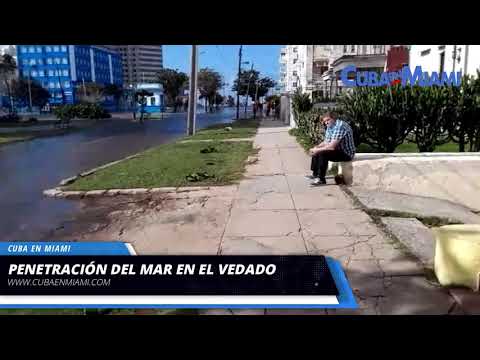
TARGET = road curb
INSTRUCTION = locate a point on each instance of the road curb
(72, 179)
(60, 193)
(374, 156)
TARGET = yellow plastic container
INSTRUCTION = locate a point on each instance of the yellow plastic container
(457, 255)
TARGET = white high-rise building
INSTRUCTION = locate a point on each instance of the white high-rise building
(448, 58)
(282, 82)
(295, 67)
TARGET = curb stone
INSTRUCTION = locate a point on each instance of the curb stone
(60, 193)
(453, 156)
(72, 179)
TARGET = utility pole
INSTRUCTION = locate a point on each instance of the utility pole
(192, 96)
(256, 97)
(238, 81)
(466, 60)
(454, 56)
(84, 89)
(30, 90)
(248, 90)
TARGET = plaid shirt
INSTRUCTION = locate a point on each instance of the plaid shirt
(343, 132)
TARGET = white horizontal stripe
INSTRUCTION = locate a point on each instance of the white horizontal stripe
(170, 299)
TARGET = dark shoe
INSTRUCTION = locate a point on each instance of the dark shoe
(310, 177)
(318, 182)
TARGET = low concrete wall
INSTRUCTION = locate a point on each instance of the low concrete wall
(448, 176)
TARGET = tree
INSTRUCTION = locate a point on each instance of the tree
(92, 93)
(141, 97)
(219, 99)
(20, 92)
(7, 71)
(172, 82)
(209, 82)
(273, 99)
(263, 86)
(230, 101)
(115, 91)
(250, 81)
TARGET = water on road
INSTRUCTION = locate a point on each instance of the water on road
(27, 168)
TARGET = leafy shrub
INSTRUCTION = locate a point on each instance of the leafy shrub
(376, 115)
(382, 118)
(82, 111)
(65, 112)
(309, 123)
(301, 102)
(10, 118)
(385, 117)
(465, 129)
(430, 110)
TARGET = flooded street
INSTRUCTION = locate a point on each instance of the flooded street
(27, 168)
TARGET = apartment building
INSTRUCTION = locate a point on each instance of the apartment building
(141, 63)
(448, 58)
(295, 67)
(317, 68)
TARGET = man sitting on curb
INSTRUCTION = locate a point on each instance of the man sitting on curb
(337, 146)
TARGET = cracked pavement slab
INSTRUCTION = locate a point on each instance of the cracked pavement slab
(263, 245)
(265, 201)
(413, 295)
(262, 223)
(157, 223)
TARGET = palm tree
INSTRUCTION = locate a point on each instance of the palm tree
(7, 68)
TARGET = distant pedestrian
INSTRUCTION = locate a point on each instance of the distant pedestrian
(269, 106)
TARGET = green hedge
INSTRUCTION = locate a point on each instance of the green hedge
(81, 111)
(384, 117)
(310, 126)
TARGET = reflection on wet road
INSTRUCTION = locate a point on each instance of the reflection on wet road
(28, 168)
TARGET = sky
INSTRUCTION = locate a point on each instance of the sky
(224, 59)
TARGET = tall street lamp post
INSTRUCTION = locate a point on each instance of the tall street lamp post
(248, 90)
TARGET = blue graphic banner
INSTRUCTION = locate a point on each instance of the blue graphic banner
(345, 296)
(66, 248)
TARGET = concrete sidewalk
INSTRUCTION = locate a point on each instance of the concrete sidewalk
(276, 211)
(273, 210)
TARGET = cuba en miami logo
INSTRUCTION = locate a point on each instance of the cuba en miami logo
(403, 77)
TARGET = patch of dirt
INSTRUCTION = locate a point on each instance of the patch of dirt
(104, 213)
(108, 218)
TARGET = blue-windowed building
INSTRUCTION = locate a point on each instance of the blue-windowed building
(63, 68)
